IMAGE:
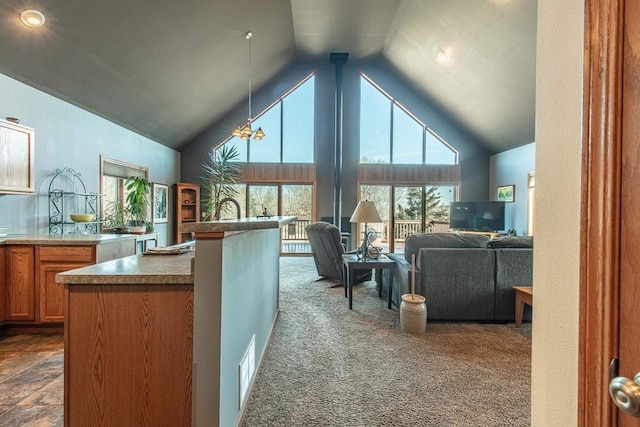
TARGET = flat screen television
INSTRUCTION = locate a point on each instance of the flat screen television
(476, 216)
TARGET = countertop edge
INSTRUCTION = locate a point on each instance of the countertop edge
(134, 270)
(243, 224)
(65, 240)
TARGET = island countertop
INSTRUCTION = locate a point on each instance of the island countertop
(233, 225)
(64, 239)
(134, 270)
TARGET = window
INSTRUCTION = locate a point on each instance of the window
(414, 209)
(114, 174)
(289, 127)
(280, 199)
(389, 133)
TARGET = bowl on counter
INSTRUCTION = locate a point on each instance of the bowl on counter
(82, 217)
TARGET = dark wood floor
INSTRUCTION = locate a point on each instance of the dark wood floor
(31, 380)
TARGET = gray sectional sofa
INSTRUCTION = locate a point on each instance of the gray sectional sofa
(465, 276)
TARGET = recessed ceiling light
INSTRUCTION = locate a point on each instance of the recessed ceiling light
(442, 56)
(32, 18)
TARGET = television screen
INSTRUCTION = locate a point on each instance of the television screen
(477, 216)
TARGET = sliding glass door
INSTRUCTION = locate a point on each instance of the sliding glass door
(407, 210)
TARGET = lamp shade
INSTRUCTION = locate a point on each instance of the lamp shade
(365, 212)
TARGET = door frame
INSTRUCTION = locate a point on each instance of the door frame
(601, 201)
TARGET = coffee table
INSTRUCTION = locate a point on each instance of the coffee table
(351, 262)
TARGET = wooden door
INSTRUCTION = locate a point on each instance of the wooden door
(21, 289)
(629, 341)
(610, 275)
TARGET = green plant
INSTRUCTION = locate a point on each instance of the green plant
(221, 174)
(137, 200)
(115, 216)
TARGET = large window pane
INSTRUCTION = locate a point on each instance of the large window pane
(267, 150)
(380, 195)
(375, 123)
(407, 214)
(241, 147)
(436, 206)
(297, 124)
(296, 201)
(263, 197)
(407, 138)
(439, 153)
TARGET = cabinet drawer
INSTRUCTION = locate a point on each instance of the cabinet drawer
(67, 253)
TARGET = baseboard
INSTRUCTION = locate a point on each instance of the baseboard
(15, 329)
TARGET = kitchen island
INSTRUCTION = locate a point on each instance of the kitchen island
(151, 338)
(236, 302)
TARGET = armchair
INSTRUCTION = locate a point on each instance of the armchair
(327, 250)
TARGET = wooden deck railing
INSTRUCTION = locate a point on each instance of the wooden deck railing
(295, 230)
(403, 229)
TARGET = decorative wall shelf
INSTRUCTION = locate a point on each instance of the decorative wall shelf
(68, 195)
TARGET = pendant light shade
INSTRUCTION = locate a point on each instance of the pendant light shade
(259, 134)
(245, 131)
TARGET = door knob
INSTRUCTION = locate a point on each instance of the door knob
(626, 394)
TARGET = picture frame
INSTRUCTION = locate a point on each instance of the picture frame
(507, 193)
(159, 196)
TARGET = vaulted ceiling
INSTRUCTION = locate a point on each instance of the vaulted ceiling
(169, 69)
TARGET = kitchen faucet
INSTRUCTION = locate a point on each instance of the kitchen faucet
(216, 215)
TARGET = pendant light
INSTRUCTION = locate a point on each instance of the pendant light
(245, 131)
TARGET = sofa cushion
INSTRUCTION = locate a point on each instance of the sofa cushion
(511, 242)
(415, 242)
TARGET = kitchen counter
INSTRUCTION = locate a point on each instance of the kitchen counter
(64, 239)
(242, 224)
(135, 269)
(128, 338)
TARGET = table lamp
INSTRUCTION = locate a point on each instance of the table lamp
(365, 212)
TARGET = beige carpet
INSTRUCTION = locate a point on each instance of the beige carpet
(327, 365)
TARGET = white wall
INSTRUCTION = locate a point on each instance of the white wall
(68, 136)
(513, 167)
(557, 214)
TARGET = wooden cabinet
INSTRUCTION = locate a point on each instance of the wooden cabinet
(52, 260)
(3, 286)
(16, 158)
(187, 199)
(20, 284)
(29, 293)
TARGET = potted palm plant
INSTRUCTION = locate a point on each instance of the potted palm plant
(137, 203)
(221, 173)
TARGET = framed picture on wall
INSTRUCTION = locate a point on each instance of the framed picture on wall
(507, 193)
(160, 202)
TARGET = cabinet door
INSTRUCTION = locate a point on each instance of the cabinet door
(20, 283)
(3, 286)
(16, 158)
(52, 293)
(51, 261)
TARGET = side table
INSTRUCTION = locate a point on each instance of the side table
(351, 262)
(524, 295)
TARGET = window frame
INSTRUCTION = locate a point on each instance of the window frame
(425, 128)
(129, 169)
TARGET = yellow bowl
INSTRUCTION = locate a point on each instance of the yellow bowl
(82, 217)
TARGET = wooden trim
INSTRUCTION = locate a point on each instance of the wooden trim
(600, 223)
(299, 173)
(408, 174)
